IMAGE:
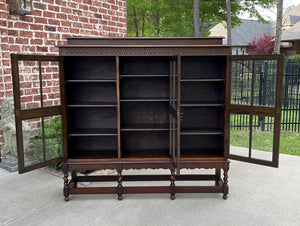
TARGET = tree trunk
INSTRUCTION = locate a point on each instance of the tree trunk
(135, 23)
(196, 18)
(278, 27)
(228, 22)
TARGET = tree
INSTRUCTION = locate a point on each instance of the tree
(228, 13)
(278, 27)
(196, 18)
(175, 17)
(262, 45)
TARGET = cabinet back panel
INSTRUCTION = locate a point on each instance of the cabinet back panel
(145, 141)
(90, 67)
(91, 92)
(144, 66)
(202, 92)
(202, 118)
(144, 88)
(92, 118)
(93, 144)
(145, 113)
(201, 144)
(203, 67)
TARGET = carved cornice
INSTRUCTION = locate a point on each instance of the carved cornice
(145, 51)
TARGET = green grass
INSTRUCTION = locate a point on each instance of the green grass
(289, 142)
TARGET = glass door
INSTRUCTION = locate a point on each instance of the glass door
(253, 108)
(38, 110)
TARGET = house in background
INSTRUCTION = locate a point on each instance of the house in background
(291, 31)
(243, 34)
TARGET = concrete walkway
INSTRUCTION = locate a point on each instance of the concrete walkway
(258, 195)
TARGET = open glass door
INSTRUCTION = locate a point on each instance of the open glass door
(253, 112)
(38, 110)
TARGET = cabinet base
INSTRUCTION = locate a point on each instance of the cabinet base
(220, 184)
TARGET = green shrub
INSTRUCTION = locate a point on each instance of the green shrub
(53, 141)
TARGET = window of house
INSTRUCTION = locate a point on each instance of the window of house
(22, 7)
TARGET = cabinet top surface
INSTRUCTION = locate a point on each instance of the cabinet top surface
(163, 46)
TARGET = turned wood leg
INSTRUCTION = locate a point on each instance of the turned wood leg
(225, 181)
(172, 183)
(74, 179)
(120, 186)
(66, 189)
(218, 176)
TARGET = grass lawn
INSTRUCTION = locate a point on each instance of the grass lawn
(289, 142)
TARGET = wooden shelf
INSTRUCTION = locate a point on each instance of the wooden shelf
(146, 154)
(146, 127)
(188, 132)
(87, 105)
(201, 104)
(203, 80)
(145, 100)
(144, 76)
(200, 154)
(90, 80)
(96, 154)
(93, 132)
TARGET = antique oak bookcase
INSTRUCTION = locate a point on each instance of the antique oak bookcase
(135, 103)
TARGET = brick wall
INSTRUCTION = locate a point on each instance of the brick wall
(51, 22)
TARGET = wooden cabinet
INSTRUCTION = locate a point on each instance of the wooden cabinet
(135, 103)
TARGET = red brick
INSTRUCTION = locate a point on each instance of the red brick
(21, 25)
(5, 55)
(93, 21)
(36, 41)
(83, 19)
(105, 5)
(48, 14)
(53, 22)
(13, 33)
(4, 47)
(65, 10)
(27, 18)
(73, 17)
(60, 2)
(15, 48)
(53, 8)
(28, 48)
(92, 8)
(113, 7)
(42, 49)
(36, 27)
(112, 1)
(83, 7)
(48, 1)
(39, 5)
(40, 35)
(61, 16)
(21, 40)
(40, 20)
(8, 86)
(88, 2)
(73, 5)
(74, 30)
(28, 34)
(8, 93)
(78, 25)
(50, 28)
(66, 23)
(87, 26)
(49, 42)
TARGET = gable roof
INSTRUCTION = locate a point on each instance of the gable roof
(291, 17)
(291, 34)
(243, 34)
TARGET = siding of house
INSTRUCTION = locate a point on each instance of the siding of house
(49, 24)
